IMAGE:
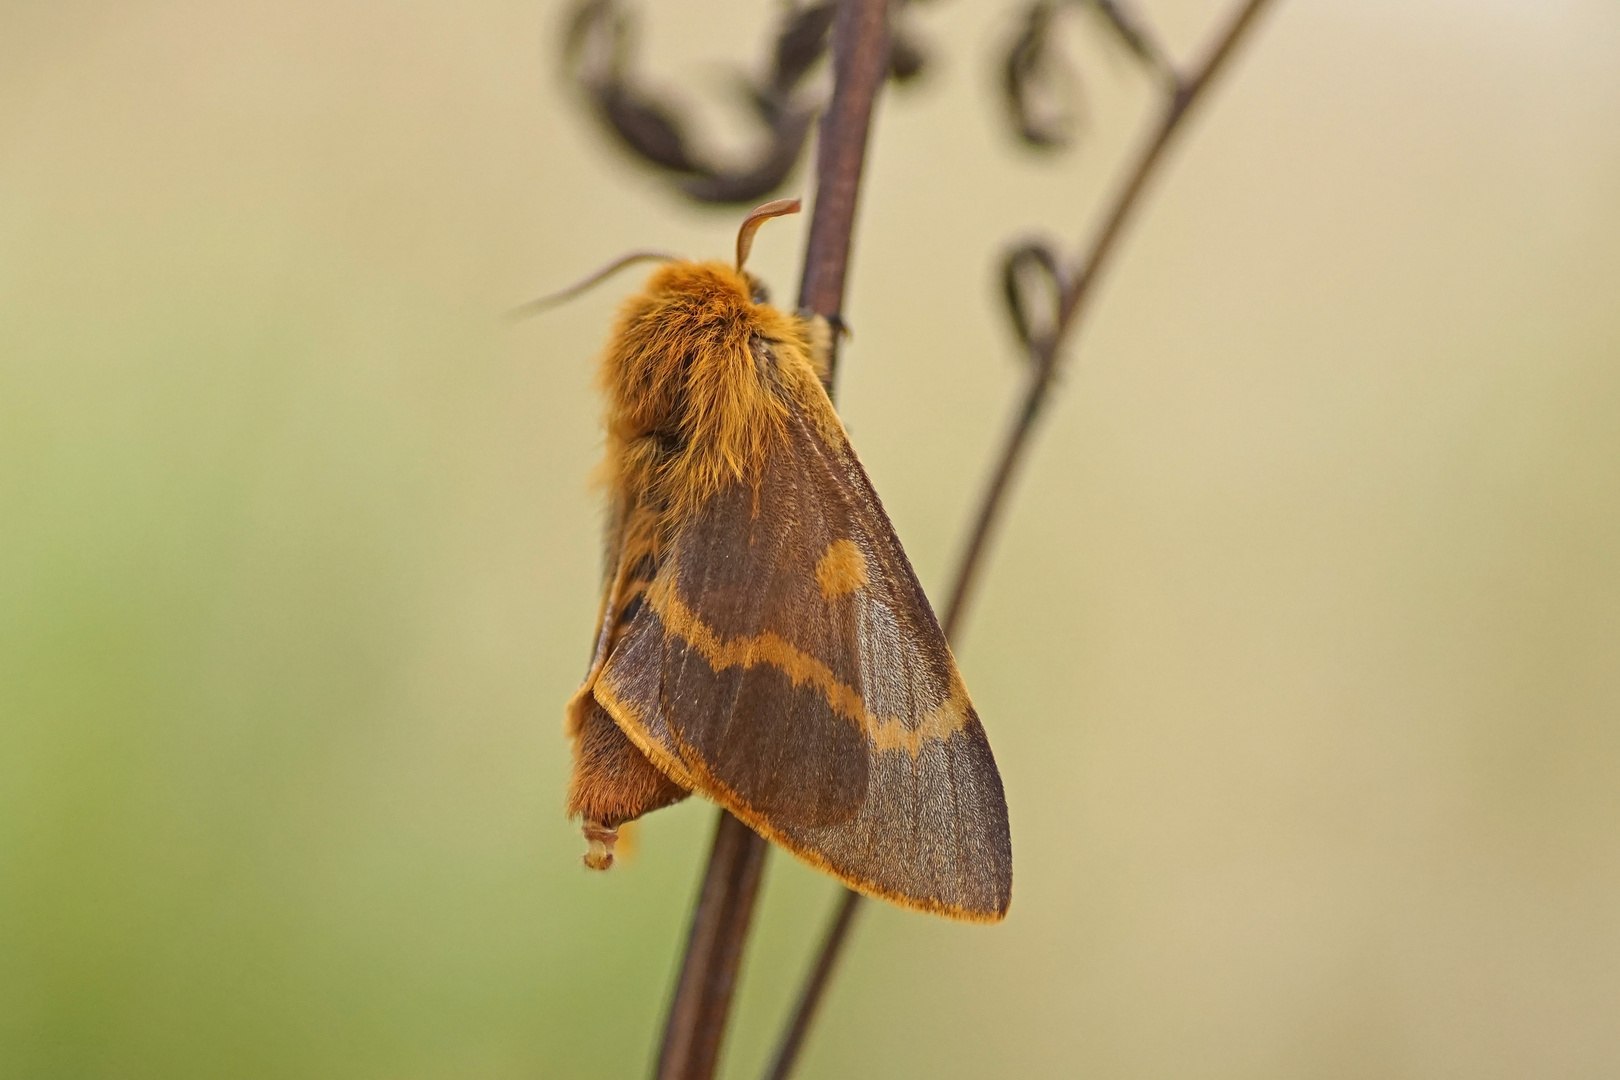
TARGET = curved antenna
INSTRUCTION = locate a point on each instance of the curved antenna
(757, 217)
(534, 307)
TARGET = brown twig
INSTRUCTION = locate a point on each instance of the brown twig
(697, 1015)
(714, 945)
(1047, 353)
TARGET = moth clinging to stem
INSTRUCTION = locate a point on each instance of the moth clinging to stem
(762, 638)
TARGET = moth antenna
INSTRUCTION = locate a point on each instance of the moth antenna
(534, 307)
(757, 217)
(599, 839)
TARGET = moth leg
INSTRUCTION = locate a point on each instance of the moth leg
(613, 782)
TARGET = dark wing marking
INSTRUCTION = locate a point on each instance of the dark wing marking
(787, 661)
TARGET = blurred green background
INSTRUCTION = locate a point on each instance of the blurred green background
(1300, 652)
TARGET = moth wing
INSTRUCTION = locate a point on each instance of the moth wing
(710, 681)
(612, 780)
(627, 566)
(613, 572)
(787, 661)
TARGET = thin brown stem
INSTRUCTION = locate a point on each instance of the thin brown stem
(1048, 356)
(697, 1017)
(860, 52)
(1047, 359)
(698, 1012)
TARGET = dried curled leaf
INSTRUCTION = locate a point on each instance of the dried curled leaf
(598, 50)
(788, 137)
(599, 45)
(648, 129)
(1038, 85)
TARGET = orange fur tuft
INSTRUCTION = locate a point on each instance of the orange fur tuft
(694, 403)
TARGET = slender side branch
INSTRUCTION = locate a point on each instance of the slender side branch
(697, 1016)
(1048, 354)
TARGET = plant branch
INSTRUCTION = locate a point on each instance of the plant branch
(714, 946)
(1047, 352)
(697, 1016)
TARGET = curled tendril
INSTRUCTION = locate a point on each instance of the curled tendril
(1040, 88)
(1032, 284)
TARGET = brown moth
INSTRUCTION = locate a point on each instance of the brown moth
(762, 638)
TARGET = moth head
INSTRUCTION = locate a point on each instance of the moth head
(713, 298)
(697, 371)
(757, 217)
(590, 281)
(757, 292)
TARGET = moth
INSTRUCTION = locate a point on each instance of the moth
(762, 639)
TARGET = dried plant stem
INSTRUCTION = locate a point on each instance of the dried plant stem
(1047, 357)
(697, 1017)
(860, 51)
(1187, 89)
(702, 1001)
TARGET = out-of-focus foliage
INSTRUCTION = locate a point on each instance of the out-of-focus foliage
(1039, 83)
(600, 55)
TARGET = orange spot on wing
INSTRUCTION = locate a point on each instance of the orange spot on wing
(841, 569)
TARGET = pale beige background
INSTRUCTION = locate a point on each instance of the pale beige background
(1299, 653)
